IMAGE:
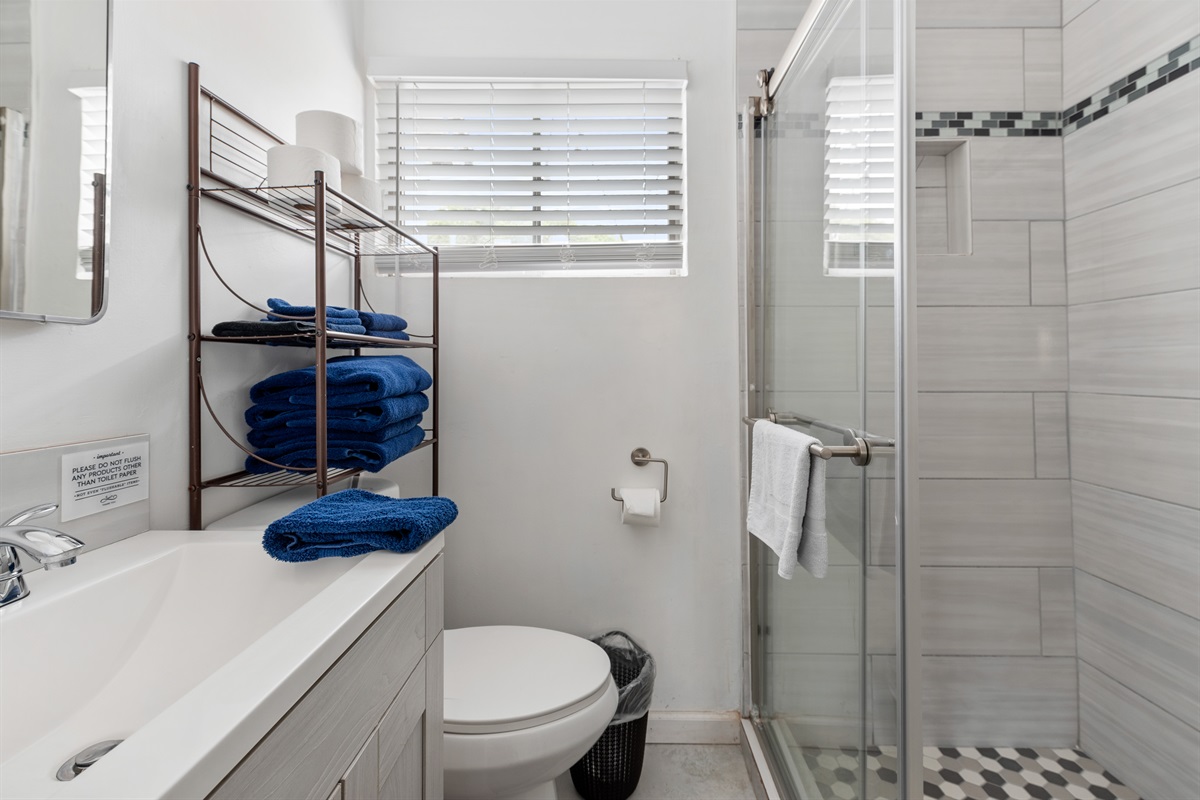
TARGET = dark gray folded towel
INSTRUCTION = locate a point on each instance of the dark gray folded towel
(241, 327)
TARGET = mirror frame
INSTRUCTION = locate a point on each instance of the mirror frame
(103, 198)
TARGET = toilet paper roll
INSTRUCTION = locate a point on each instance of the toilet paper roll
(640, 507)
(336, 134)
(363, 190)
(294, 165)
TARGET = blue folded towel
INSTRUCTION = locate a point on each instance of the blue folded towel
(388, 334)
(352, 381)
(371, 456)
(331, 312)
(376, 322)
(289, 437)
(373, 417)
(353, 522)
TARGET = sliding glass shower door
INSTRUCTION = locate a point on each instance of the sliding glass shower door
(826, 689)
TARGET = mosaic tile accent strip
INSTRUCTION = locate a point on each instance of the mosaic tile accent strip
(988, 123)
(1158, 73)
(969, 773)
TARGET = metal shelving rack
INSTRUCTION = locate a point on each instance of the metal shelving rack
(221, 135)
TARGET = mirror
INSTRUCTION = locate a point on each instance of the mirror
(54, 111)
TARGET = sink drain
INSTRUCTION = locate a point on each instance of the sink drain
(85, 758)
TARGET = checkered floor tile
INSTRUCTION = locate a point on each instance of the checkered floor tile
(969, 773)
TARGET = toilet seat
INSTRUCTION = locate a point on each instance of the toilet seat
(509, 678)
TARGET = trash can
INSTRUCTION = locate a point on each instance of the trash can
(612, 768)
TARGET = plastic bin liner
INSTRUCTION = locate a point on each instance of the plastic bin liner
(634, 664)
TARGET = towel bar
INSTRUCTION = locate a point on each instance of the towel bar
(860, 449)
(641, 457)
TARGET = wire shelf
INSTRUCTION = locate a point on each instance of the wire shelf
(340, 341)
(243, 479)
(351, 228)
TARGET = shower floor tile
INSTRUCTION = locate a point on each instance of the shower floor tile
(971, 773)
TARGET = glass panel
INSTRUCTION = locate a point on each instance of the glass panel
(827, 697)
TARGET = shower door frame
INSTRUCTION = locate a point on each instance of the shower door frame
(907, 555)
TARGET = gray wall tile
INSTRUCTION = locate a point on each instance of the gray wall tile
(978, 523)
(1016, 178)
(1047, 264)
(998, 701)
(816, 616)
(1144, 445)
(1112, 38)
(1147, 245)
(960, 69)
(1147, 546)
(821, 696)
(1050, 435)
(1151, 649)
(1058, 611)
(992, 349)
(1142, 345)
(1073, 8)
(1136, 150)
(1043, 69)
(976, 435)
(988, 14)
(996, 273)
(1151, 751)
(932, 220)
(770, 14)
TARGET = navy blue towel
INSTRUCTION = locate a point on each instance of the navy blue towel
(354, 522)
(291, 437)
(346, 315)
(352, 381)
(388, 334)
(371, 456)
(373, 417)
(376, 322)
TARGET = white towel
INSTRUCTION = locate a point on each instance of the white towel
(787, 498)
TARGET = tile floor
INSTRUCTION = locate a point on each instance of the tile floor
(969, 773)
(686, 772)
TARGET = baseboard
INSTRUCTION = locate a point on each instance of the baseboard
(694, 727)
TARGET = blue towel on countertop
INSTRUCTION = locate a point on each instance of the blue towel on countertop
(290, 437)
(352, 381)
(376, 322)
(349, 315)
(371, 456)
(372, 417)
(354, 522)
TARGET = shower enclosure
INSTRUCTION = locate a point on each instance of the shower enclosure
(824, 179)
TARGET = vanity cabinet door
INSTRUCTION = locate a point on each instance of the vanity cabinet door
(361, 781)
(401, 742)
(337, 793)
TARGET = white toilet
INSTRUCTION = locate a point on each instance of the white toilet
(522, 705)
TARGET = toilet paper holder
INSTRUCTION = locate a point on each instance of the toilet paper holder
(641, 457)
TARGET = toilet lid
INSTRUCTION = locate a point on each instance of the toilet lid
(507, 678)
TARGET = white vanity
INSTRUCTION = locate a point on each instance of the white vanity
(227, 674)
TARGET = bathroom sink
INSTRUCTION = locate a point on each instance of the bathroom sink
(189, 646)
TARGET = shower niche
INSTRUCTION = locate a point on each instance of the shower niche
(943, 197)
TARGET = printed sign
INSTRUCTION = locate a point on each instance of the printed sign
(100, 479)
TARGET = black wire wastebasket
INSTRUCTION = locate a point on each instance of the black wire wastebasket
(612, 768)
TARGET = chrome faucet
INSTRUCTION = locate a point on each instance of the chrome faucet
(52, 549)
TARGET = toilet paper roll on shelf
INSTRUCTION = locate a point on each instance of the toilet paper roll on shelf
(333, 133)
(640, 507)
(364, 191)
(294, 165)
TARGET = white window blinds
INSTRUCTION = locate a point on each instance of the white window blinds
(860, 203)
(510, 175)
(93, 102)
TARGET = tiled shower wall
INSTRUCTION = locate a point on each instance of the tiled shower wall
(995, 533)
(1133, 266)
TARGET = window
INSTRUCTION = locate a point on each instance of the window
(93, 102)
(521, 176)
(860, 203)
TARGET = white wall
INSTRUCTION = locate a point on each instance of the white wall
(127, 373)
(548, 384)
